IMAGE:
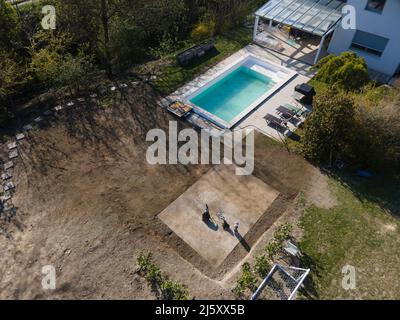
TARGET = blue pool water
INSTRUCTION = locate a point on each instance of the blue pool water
(228, 97)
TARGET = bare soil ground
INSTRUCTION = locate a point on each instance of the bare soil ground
(87, 202)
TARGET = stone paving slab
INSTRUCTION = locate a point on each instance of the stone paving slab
(5, 197)
(6, 176)
(8, 165)
(20, 136)
(27, 127)
(12, 145)
(9, 185)
(13, 154)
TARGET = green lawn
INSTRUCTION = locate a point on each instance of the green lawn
(356, 232)
(170, 76)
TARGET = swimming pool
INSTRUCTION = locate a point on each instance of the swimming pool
(234, 93)
(230, 95)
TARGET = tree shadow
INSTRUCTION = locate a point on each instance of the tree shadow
(309, 288)
(382, 188)
(105, 124)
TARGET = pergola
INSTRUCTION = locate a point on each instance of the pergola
(316, 17)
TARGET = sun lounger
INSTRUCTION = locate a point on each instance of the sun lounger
(300, 112)
(299, 97)
(276, 123)
(272, 119)
(286, 113)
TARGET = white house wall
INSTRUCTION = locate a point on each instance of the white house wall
(385, 25)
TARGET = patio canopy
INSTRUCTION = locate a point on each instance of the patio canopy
(312, 16)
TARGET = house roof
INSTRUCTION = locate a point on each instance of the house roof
(313, 16)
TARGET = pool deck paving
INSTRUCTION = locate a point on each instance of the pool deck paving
(255, 118)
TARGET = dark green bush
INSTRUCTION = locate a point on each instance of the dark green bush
(347, 71)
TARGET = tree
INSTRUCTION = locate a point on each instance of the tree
(12, 78)
(105, 19)
(9, 26)
(75, 72)
(348, 71)
(127, 40)
(47, 50)
(377, 143)
(80, 19)
(329, 129)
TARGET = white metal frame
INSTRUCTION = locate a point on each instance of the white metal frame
(332, 11)
(299, 280)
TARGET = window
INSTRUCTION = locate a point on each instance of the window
(376, 5)
(369, 42)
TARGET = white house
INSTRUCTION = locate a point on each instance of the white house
(377, 35)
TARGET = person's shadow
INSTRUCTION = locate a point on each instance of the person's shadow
(211, 224)
(242, 241)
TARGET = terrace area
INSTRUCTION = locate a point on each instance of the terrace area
(223, 192)
(300, 29)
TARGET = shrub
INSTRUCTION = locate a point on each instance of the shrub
(174, 290)
(154, 275)
(246, 281)
(329, 130)
(348, 71)
(262, 265)
(204, 29)
(283, 232)
(170, 290)
(272, 248)
(145, 260)
(167, 45)
(148, 268)
(377, 144)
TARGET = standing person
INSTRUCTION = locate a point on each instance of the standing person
(236, 227)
